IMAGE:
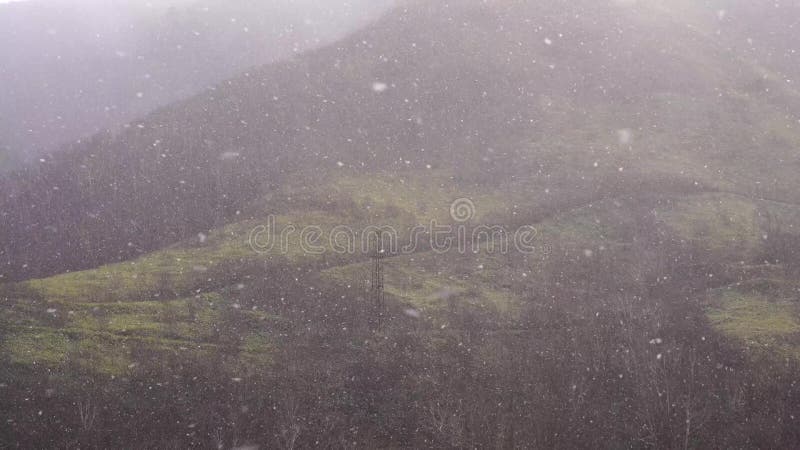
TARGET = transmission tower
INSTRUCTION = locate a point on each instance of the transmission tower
(376, 278)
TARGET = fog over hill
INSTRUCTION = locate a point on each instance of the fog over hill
(74, 67)
(478, 87)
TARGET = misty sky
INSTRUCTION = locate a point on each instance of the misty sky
(67, 48)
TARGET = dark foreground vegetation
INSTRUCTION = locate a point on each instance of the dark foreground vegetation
(592, 360)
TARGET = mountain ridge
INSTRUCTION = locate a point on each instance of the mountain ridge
(417, 87)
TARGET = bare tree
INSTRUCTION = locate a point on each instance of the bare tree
(87, 412)
(290, 429)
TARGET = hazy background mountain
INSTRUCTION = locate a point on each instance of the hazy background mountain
(74, 67)
(490, 90)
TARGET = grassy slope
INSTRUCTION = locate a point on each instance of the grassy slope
(763, 318)
(173, 302)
